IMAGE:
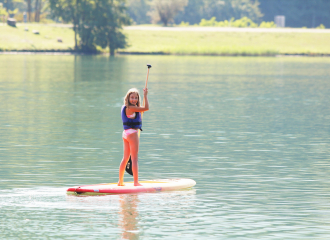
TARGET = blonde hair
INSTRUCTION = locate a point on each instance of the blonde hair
(128, 94)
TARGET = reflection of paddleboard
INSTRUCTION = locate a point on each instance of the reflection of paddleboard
(147, 186)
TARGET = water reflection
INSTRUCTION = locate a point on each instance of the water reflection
(123, 208)
(129, 216)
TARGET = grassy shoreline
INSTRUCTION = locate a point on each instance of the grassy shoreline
(172, 42)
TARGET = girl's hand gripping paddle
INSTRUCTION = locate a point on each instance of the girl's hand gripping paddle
(129, 163)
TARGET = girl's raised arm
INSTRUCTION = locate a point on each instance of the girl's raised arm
(145, 104)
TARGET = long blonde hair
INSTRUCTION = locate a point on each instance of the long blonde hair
(126, 99)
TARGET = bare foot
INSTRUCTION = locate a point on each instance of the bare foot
(121, 184)
(137, 184)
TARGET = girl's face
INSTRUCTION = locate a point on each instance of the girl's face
(133, 98)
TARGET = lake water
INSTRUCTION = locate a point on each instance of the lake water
(254, 133)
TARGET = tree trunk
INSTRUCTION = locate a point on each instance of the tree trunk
(36, 11)
(29, 10)
(75, 23)
(112, 52)
(111, 42)
(75, 35)
(39, 9)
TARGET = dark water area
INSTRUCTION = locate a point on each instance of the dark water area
(254, 133)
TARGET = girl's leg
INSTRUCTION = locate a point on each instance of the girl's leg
(133, 140)
(124, 163)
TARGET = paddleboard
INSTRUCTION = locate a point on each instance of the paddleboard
(157, 185)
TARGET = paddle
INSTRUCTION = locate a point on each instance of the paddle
(129, 163)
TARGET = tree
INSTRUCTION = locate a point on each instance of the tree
(105, 24)
(29, 10)
(12, 6)
(95, 22)
(3, 12)
(67, 10)
(245, 8)
(138, 9)
(165, 10)
(192, 13)
(37, 9)
(221, 9)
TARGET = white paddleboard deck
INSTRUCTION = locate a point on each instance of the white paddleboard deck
(156, 185)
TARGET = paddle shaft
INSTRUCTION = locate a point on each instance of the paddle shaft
(147, 78)
(144, 101)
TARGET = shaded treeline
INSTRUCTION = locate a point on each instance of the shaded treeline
(34, 9)
(298, 13)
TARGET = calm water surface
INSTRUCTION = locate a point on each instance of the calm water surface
(254, 133)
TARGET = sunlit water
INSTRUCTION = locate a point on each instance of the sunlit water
(254, 133)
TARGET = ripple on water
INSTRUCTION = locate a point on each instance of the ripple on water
(253, 134)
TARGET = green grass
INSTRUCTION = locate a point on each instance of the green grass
(227, 43)
(170, 42)
(17, 39)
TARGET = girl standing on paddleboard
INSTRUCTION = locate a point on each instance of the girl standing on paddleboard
(132, 122)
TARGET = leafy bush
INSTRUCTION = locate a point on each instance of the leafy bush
(225, 23)
(267, 25)
(208, 23)
(240, 23)
(243, 22)
(321, 26)
(3, 12)
(184, 24)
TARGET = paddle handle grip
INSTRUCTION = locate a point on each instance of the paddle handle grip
(149, 66)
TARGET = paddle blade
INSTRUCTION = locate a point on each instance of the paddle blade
(129, 166)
